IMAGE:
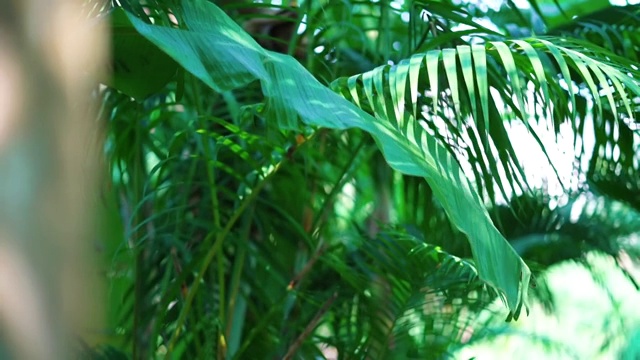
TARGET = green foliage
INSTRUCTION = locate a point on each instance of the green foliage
(139, 68)
(270, 161)
(234, 59)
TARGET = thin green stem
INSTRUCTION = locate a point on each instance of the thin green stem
(339, 185)
(293, 42)
(180, 272)
(214, 198)
(383, 30)
(213, 250)
(236, 275)
(207, 152)
(137, 173)
(310, 327)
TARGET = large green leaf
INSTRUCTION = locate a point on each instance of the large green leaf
(383, 90)
(139, 68)
(215, 49)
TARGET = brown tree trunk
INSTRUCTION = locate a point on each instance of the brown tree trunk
(50, 54)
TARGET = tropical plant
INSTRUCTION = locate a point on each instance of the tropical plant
(320, 176)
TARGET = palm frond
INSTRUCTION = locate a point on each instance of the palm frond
(239, 211)
(562, 12)
(403, 313)
(585, 223)
(232, 59)
(442, 84)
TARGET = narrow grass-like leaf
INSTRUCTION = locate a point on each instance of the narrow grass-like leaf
(451, 69)
(586, 75)
(538, 68)
(514, 77)
(466, 62)
(564, 71)
(432, 59)
(480, 62)
(414, 72)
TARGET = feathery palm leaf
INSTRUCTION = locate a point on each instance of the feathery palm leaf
(241, 186)
(407, 321)
(232, 59)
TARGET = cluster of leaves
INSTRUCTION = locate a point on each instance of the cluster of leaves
(254, 184)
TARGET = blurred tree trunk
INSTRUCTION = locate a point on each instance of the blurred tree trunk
(50, 55)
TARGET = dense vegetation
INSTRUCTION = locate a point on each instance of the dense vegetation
(343, 177)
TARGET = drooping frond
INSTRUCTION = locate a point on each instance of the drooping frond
(408, 314)
(224, 57)
(545, 234)
(451, 93)
(239, 211)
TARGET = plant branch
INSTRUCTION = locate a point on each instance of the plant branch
(312, 325)
(212, 252)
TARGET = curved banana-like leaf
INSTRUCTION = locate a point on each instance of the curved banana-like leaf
(223, 56)
(537, 61)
